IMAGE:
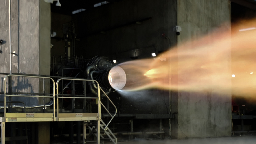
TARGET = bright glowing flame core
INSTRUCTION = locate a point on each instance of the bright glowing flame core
(150, 73)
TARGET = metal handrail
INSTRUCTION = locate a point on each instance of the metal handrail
(99, 102)
(28, 94)
(25, 93)
(74, 79)
(112, 116)
(54, 94)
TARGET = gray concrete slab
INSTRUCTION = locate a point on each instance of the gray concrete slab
(223, 140)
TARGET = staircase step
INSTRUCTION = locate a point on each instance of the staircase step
(108, 132)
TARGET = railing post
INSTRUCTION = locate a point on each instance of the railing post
(57, 89)
(84, 132)
(73, 94)
(99, 114)
(53, 99)
(4, 98)
(44, 95)
(84, 101)
(9, 92)
(2, 132)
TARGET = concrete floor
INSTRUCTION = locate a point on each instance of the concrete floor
(224, 140)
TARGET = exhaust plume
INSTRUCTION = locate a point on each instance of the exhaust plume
(223, 62)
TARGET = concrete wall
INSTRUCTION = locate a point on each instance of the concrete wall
(30, 41)
(203, 114)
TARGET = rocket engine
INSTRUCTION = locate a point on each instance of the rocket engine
(98, 69)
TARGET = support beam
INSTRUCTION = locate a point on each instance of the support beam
(98, 132)
(161, 127)
(78, 136)
(2, 132)
(84, 133)
(71, 132)
(13, 132)
(131, 121)
(33, 132)
(43, 132)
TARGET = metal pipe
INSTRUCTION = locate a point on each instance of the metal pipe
(91, 77)
(80, 97)
(91, 84)
(10, 40)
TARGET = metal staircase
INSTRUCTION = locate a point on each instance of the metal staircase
(108, 132)
(104, 126)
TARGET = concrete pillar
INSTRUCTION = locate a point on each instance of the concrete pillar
(204, 114)
(44, 64)
(44, 45)
(30, 33)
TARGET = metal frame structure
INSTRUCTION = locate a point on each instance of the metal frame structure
(55, 115)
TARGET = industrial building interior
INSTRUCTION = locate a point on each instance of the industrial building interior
(126, 71)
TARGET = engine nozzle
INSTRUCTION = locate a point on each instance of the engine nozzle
(117, 78)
